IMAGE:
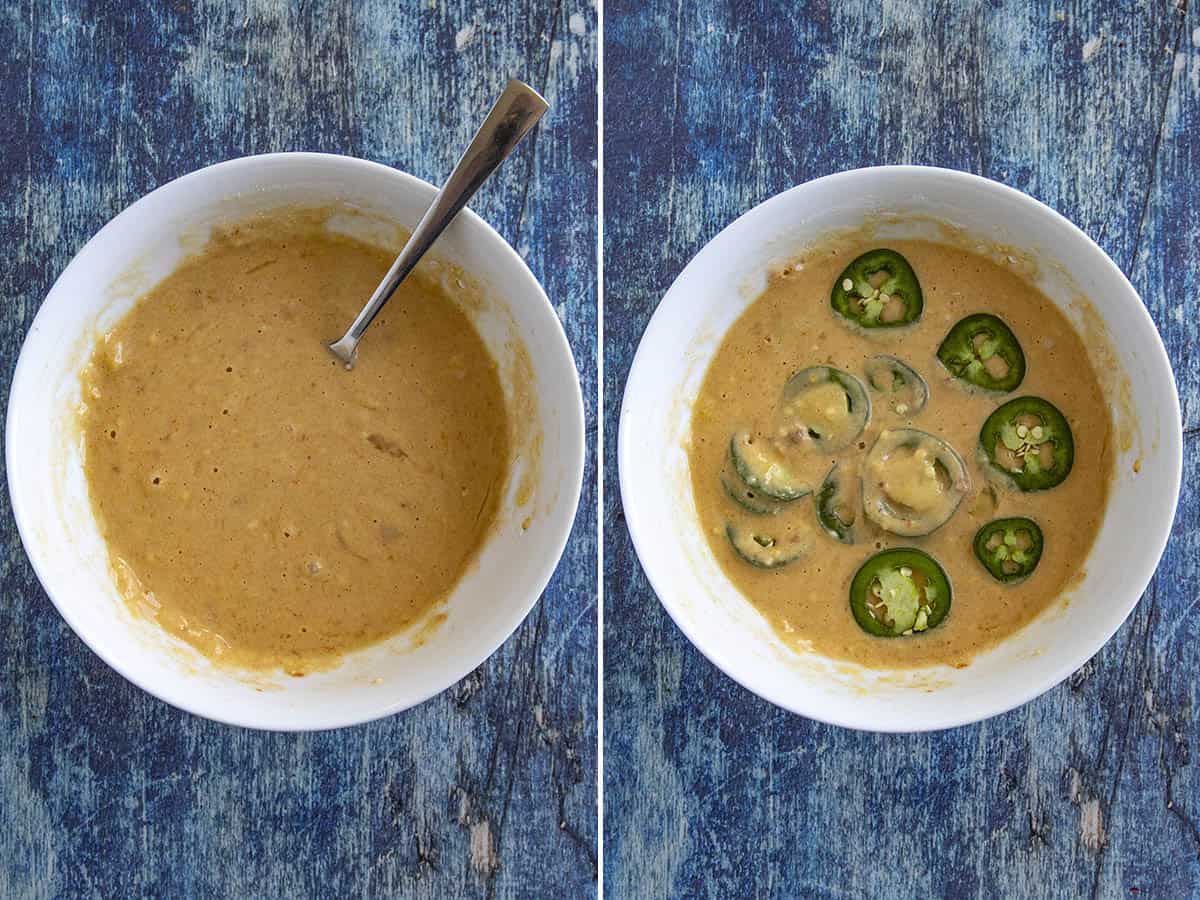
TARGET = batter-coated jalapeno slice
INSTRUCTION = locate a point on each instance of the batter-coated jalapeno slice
(1009, 549)
(912, 482)
(982, 350)
(878, 290)
(900, 592)
(762, 468)
(753, 501)
(762, 550)
(904, 388)
(837, 503)
(1029, 440)
(823, 407)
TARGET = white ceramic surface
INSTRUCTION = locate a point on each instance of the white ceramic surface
(713, 290)
(133, 252)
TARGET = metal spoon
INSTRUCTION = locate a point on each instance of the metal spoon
(511, 118)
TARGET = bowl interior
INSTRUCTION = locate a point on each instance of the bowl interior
(685, 332)
(141, 246)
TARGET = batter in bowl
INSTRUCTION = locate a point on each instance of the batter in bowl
(901, 454)
(260, 501)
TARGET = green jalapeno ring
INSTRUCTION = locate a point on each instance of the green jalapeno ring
(1010, 549)
(856, 298)
(900, 592)
(1024, 442)
(976, 340)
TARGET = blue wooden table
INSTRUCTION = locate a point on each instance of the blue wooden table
(710, 108)
(487, 790)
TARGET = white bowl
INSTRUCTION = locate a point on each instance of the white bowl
(49, 494)
(714, 289)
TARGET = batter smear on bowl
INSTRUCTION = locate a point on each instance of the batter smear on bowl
(901, 454)
(258, 500)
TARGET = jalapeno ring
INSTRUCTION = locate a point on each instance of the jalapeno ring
(750, 499)
(837, 513)
(898, 592)
(760, 467)
(906, 390)
(982, 351)
(764, 551)
(823, 406)
(1029, 441)
(863, 297)
(912, 482)
(1010, 549)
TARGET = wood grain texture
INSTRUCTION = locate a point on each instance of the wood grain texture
(487, 790)
(711, 106)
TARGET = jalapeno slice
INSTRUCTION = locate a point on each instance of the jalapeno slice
(765, 551)
(878, 290)
(912, 482)
(837, 504)
(761, 467)
(1029, 440)
(905, 390)
(1009, 549)
(899, 592)
(982, 350)
(750, 499)
(823, 407)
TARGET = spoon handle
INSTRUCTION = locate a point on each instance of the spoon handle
(510, 119)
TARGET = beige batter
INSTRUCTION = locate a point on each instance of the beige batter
(791, 327)
(258, 500)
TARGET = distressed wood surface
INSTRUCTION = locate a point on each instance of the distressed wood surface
(487, 790)
(711, 107)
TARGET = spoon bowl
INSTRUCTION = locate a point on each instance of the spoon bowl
(511, 118)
